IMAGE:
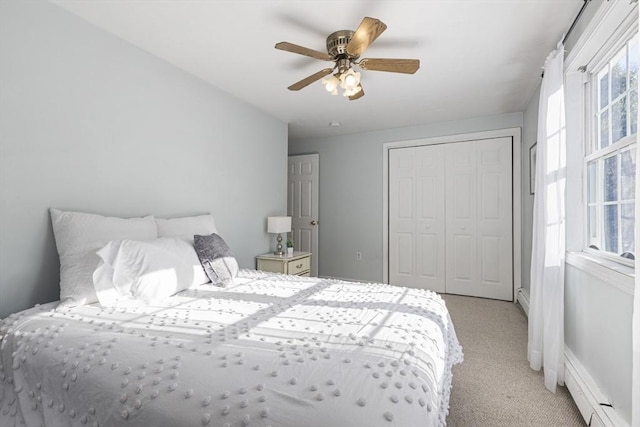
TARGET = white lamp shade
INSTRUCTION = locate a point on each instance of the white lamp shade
(279, 224)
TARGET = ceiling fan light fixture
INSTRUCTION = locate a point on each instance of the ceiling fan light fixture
(344, 48)
(331, 84)
(349, 80)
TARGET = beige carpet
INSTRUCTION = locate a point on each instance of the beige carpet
(494, 386)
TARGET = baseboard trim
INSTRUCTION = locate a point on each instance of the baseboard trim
(591, 402)
(523, 300)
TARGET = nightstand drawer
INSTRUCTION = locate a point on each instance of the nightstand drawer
(297, 266)
(275, 266)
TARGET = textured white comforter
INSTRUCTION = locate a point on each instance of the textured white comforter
(271, 350)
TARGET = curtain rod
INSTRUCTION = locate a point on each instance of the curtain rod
(575, 21)
(573, 25)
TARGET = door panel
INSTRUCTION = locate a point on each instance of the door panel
(416, 218)
(460, 181)
(405, 198)
(306, 193)
(482, 201)
(404, 252)
(490, 202)
(428, 247)
(462, 197)
(461, 266)
(490, 261)
(302, 204)
(495, 225)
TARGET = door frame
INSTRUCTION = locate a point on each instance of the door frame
(516, 136)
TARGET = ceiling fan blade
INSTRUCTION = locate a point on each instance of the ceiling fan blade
(357, 95)
(406, 66)
(312, 78)
(368, 30)
(290, 47)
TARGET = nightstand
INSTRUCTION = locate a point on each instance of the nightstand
(298, 264)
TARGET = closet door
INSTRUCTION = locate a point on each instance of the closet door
(479, 243)
(417, 217)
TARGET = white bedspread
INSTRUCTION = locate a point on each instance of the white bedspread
(271, 350)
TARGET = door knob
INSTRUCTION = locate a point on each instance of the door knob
(314, 222)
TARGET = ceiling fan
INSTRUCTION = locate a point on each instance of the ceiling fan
(344, 47)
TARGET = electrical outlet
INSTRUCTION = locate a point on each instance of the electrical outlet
(359, 256)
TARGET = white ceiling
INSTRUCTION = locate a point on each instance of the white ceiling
(478, 57)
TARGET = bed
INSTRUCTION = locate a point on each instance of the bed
(266, 350)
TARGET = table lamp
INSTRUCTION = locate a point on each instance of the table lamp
(279, 225)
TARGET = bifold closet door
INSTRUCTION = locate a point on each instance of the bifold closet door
(479, 243)
(450, 218)
(417, 217)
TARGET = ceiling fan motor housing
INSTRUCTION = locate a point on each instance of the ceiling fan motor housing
(337, 43)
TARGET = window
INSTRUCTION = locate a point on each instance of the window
(611, 154)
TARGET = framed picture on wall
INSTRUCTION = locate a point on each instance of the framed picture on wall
(532, 169)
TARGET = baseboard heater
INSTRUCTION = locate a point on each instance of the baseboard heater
(522, 298)
(593, 405)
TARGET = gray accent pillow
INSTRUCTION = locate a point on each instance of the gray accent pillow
(216, 259)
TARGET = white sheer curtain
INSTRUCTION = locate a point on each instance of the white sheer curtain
(635, 329)
(546, 305)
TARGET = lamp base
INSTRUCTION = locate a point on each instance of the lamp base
(279, 250)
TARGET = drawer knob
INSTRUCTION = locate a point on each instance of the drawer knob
(299, 266)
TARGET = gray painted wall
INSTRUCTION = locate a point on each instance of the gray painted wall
(89, 122)
(351, 191)
(529, 137)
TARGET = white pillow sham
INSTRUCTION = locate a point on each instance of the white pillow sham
(145, 271)
(78, 236)
(186, 227)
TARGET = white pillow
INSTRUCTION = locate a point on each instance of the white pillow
(146, 270)
(186, 227)
(78, 237)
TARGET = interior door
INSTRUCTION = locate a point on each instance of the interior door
(417, 217)
(302, 204)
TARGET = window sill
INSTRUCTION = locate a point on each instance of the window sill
(610, 272)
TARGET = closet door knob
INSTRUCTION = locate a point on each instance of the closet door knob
(314, 222)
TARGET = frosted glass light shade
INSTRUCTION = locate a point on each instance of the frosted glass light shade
(349, 80)
(278, 224)
(331, 84)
